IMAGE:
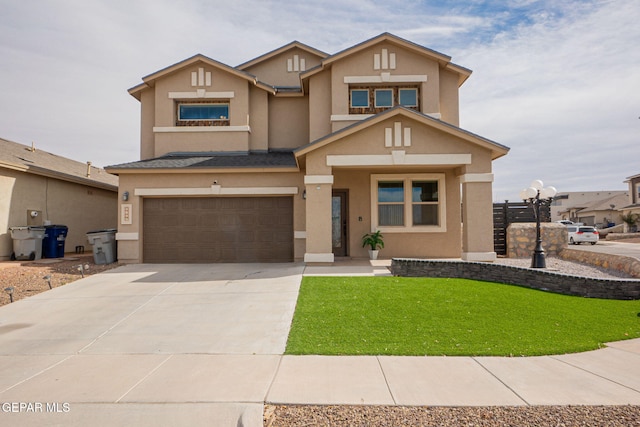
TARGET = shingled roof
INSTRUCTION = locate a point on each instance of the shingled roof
(274, 159)
(30, 159)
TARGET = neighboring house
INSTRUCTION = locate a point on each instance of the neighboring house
(296, 154)
(632, 207)
(568, 205)
(60, 190)
(599, 213)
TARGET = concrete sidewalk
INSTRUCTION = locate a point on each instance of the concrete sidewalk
(202, 345)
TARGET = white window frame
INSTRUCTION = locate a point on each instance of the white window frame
(408, 204)
(414, 90)
(351, 98)
(375, 98)
(227, 104)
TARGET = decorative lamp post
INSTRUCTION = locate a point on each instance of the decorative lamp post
(537, 195)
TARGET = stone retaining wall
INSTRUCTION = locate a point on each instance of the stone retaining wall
(628, 265)
(621, 236)
(621, 289)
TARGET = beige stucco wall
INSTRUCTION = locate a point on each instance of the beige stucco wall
(79, 207)
(147, 120)
(449, 97)
(428, 244)
(130, 249)
(274, 70)
(319, 105)
(160, 111)
(425, 140)
(220, 140)
(288, 122)
(259, 119)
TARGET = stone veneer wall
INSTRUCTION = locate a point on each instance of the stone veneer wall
(521, 239)
(628, 265)
(621, 289)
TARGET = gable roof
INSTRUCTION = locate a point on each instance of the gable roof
(497, 150)
(618, 201)
(278, 51)
(442, 59)
(27, 159)
(149, 80)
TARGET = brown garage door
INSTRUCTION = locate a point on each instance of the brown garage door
(218, 229)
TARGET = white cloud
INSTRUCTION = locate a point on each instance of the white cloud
(560, 94)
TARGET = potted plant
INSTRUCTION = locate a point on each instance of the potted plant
(374, 241)
(631, 219)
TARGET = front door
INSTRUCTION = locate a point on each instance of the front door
(339, 227)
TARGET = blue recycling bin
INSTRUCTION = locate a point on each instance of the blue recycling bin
(53, 242)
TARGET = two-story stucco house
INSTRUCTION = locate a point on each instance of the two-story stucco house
(296, 154)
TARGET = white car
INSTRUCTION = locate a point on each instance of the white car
(582, 233)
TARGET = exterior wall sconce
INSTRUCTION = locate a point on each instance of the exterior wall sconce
(304, 194)
(536, 195)
(125, 196)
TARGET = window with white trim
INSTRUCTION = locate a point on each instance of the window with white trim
(373, 99)
(202, 113)
(408, 97)
(408, 203)
(359, 98)
(383, 98)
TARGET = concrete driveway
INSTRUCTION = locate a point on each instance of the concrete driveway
(177, 344)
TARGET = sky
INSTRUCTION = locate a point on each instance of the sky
(556, 81)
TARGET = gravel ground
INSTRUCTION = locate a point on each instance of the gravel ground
(567, 267)
(26, 277)
(516, 416)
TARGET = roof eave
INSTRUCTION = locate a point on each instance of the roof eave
(497, 150)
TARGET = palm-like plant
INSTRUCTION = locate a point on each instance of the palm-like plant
(373, 240)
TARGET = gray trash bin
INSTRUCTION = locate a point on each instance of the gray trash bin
(104, 245)
(27, 242)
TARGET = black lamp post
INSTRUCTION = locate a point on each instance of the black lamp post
(538, 196)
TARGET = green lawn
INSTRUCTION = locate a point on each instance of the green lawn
(425, 316)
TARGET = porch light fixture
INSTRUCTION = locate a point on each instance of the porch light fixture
(48, 279)
(9, 290)
(125, 196)
(537, 195)
(304, 194)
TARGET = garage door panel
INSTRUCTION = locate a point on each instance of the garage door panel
(240, 229)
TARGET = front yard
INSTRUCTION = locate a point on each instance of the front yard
(455, 317)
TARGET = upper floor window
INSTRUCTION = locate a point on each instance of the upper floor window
(384, 98)
(375, 99)
(408, 97)
(359, 98)
(203, 114)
